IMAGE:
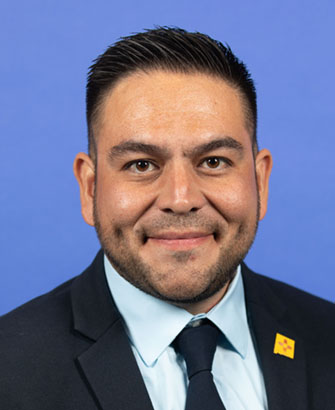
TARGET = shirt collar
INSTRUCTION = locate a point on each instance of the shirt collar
(153, 324)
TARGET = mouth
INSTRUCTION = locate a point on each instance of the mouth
(179, 240)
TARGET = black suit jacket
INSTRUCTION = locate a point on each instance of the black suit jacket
(68, 349)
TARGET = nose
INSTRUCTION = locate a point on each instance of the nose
(180, 192)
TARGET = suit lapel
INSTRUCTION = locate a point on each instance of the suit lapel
(112, 372)
(109, 366)
(285, 378)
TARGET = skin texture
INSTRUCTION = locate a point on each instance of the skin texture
(176, 192)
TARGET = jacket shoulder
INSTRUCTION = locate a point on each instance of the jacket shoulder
(37, 355)
(39, 310)
(308, 312)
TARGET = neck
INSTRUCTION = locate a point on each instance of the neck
(206, 305)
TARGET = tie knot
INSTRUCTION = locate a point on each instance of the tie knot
(197, 345)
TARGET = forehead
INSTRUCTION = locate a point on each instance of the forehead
(171, 107)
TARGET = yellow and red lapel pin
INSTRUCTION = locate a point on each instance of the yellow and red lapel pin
(284, 346)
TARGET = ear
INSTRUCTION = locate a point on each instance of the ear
(84, 171)
(263, 170)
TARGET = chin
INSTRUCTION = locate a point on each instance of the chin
(186, 291)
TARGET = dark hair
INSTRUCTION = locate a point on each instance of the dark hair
(169, 49)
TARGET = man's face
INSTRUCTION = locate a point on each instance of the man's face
(177, 192)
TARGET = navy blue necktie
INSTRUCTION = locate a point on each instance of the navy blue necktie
(197, 344)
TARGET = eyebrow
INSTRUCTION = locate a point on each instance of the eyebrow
(224, 142)
(134, 146)
(155, 150)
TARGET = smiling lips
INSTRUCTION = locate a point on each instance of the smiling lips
(180, 241)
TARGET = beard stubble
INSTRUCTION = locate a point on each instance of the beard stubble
(139, 273)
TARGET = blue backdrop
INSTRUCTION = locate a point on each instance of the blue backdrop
(47, 46)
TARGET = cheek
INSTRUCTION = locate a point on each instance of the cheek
(119, 204)
(236, 200)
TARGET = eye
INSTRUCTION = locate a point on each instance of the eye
(215, 163)
(141, 166)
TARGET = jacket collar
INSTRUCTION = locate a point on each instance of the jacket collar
(108, 365)
(92, 305)
(285, 378)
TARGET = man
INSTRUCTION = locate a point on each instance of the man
(175, 185)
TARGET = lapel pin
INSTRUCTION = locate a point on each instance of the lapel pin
(284, 346)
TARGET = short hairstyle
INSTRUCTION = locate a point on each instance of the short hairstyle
(170, 49)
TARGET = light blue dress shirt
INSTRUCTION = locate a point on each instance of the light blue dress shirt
(153, 324)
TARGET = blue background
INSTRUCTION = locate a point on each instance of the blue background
(46, 48)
